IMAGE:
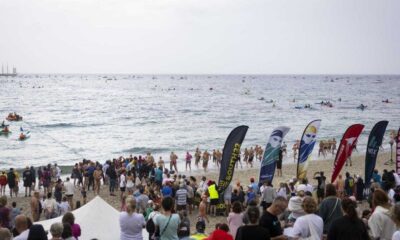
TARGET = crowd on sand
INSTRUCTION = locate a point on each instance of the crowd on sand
(170, 205)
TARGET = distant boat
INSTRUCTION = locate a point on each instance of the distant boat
(7, 74)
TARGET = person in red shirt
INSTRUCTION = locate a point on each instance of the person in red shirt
(3, 183)
(220, 233)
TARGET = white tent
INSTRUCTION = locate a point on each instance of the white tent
(97, 219)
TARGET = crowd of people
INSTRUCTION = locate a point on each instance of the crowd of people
(161, 201)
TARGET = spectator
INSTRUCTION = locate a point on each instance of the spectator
(21, 225)
(309, 225)
(221, 232)
(5, 213)
(330, 207)
(56, 230)
(349, 226)
(168, 222)
(200, 228)
(252, 231)
(269, 219)
(130, 222)
(235, 218)
(70, 218)
(381, 225)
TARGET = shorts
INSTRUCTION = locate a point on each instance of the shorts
(214, 202)
(320, 193)
(122, 189)
(189, 201)
(180, 207)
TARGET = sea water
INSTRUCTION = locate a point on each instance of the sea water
(100, 117)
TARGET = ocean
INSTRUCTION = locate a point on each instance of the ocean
(100, 117)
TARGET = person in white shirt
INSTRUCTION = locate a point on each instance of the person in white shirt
(21, 225)
(122, 184)
(309, 225)
(69, 191)
(295, 204)
(64, 206)
(395, 215)
(50, 207)
(380, 224)
(130, 222)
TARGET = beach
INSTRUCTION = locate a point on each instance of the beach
(242, 175)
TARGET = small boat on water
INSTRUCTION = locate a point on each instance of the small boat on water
(24, 136)
(5, 133)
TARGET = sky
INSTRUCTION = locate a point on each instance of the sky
(201, 36)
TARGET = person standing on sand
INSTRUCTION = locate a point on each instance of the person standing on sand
(246, 156)
(251, 156)
(97, 175)
(11, 181)
(203, 209)
(295, 148)
(35, 206)
(197, 157)
(69, 189)
(3, 183)
(173, 162)
(206, 157)
(188, 160)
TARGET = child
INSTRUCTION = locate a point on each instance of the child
(203, 209)
(83, 193)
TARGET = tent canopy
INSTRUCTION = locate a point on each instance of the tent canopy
(97, 219)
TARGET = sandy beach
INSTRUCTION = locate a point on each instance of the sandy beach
(243, 175)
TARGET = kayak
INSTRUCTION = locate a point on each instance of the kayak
(4, 133)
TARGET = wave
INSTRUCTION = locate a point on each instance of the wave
(143, 150)
(69, 125)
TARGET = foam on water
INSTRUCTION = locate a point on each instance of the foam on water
(75, 116)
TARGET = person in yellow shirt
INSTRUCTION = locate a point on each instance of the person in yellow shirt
(214, 198)
(16, 188)
(200, 228)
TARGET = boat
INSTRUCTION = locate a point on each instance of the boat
(14, 119)
(2, 132)
(362, 107)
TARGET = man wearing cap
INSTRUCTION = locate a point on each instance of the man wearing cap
(181, 197)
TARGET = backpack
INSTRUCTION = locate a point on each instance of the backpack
(150, 226)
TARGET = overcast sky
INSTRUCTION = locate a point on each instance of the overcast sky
(201, 36)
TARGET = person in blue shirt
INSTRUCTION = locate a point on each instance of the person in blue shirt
(158, 176)
(251, 195)
(167, 190)
(376, 176)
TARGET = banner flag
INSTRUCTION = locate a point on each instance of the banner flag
(398, 152)
(230, 156)
(347, 144)
(307, 143)
(374, 142)
(271, 153)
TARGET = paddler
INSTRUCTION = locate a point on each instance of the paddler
(22, 136)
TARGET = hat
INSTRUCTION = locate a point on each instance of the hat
(301, 187)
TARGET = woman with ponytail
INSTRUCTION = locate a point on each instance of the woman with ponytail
(350, 226)
(130, 222)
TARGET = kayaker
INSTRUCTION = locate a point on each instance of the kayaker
(5, 129)
(22, 136)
